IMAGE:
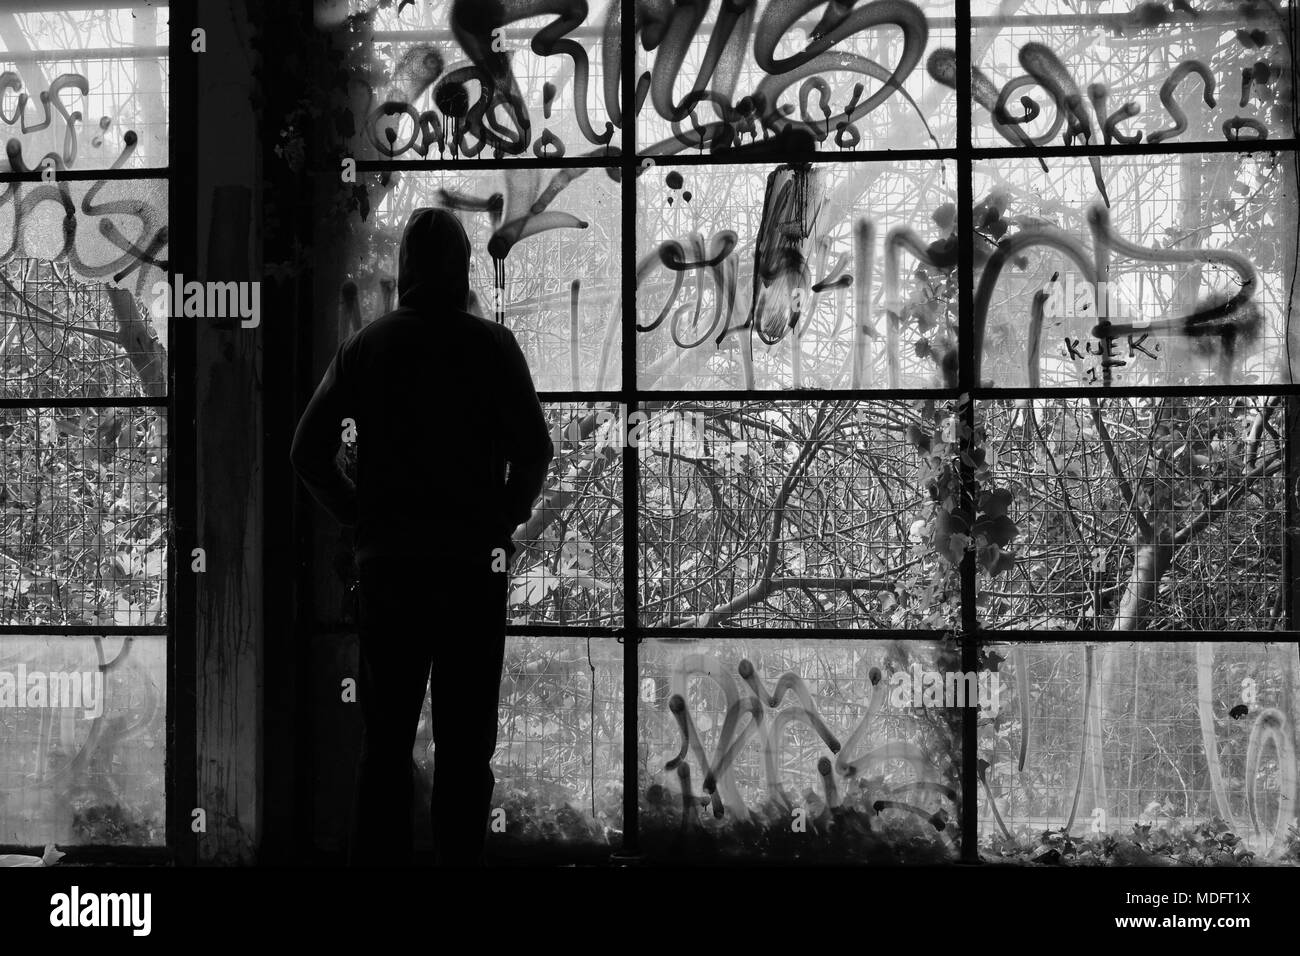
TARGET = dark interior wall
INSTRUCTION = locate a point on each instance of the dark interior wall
(328, 572)
(312, 734)
(267, 627)
(266, 613)
(227, 621)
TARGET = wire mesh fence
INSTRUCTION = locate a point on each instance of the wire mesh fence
(794, 514)
(556, 98)
(1143, 69)
(82, 740)
(1163, 513)
(1159, 513)
(796, 750)
(553, 278)
(1162, 737)
(569, 567)
(559, 758)
(1199, 252)
(88, 86)
(83, 471)
(84, 520)
(124, 106)
(761, 277)
(783, 85)
(65, 338)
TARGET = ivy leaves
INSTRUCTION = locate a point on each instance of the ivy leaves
(947, 527)
(994, 531)
(963, 517)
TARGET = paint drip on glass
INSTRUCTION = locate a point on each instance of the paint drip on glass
(499, 289)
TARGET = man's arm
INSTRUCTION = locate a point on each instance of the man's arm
(528, 446)
(316, 445)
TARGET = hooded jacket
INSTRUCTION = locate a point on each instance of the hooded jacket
(452, 444)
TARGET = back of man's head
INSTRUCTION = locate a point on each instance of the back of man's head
(433, 262)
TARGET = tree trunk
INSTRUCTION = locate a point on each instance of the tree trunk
(1150, 563)
(144, 351)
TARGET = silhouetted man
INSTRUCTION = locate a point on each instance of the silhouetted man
(452, 451)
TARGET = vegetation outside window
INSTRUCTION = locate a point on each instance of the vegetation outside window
(891, 349)
(84, 373)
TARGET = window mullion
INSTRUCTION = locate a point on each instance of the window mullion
(966, 378)
(631, 463)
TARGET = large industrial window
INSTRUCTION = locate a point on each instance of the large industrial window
(84, 532)
(921, 381)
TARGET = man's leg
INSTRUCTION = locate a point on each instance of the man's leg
(394, 668)
(467, 657)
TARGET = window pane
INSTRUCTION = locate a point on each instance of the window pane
(84, 522)
(569, 567)
(1136, 68)
(749, 277)
(426, 85)
(82, 740)
(1185, 751)
(1152, 513)
(104, 72)
(808, 751)
(785, 514)
(559, 757)
(560, 268)
(79, 312)
(789, 76)
(1201, 251)
(1201, 546)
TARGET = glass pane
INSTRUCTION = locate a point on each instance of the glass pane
(495, 81)
(82, 740)
(1140, 514)
(83, 530)
(569, 567)
(86, 86)
(559, 757)
(807, 751)
(784, 514)
(80, 310)
(1181, 751)
(750, 277)
(793, 76)
(1201, 251)
(1139, 72)
(556, 273)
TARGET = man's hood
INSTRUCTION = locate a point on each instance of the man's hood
(433, 261)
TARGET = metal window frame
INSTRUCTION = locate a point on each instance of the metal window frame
(180, 402)
(177, 405)
(971, 637)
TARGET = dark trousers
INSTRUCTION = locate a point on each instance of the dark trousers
(418, 615)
